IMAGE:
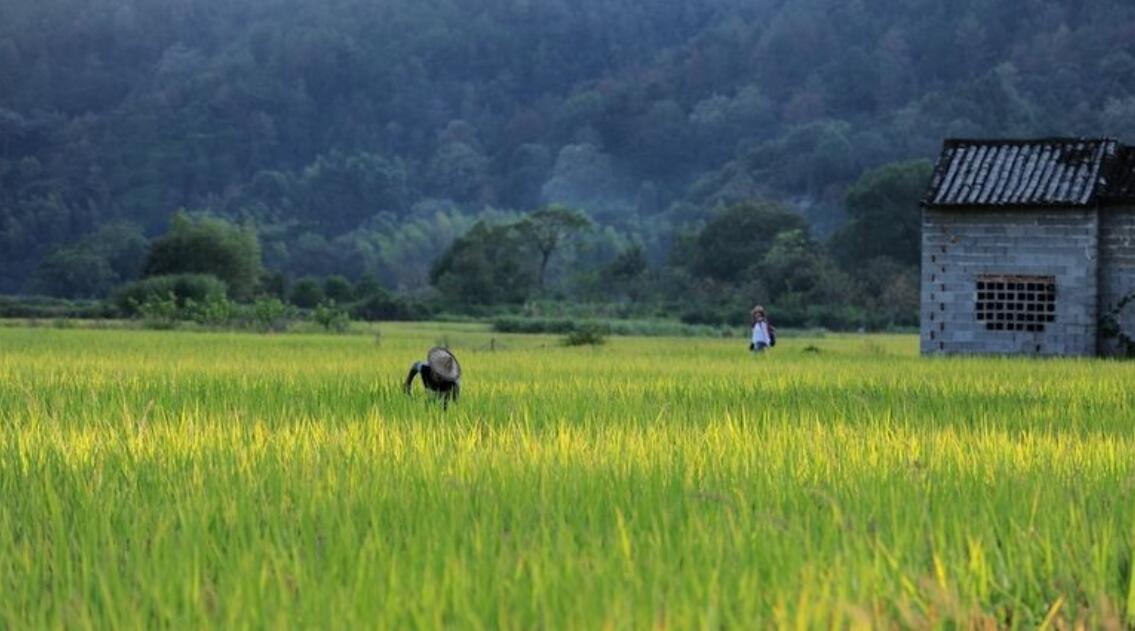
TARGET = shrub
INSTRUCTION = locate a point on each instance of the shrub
(381, 305)
(198, 288)
(157, 312)
(214, 311)
(269, 314)
(588, 335)
(520, 324)
(307, 293)
(534, 325)
(715, 315)
(331, 317)
(208, 245)
(338, 289)
(52, 308)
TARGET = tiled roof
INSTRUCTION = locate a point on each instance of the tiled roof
(1007, 173)
(1120, 177)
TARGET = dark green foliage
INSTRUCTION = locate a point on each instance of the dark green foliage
(380, 305)
(215, 311)
(564, 326)
(338, 289)
(534, 325)
(91, 267)
(43, 308)
(274, 284)
(890, 291)
(331, 317)
(75, 272)
(184, 288)
(271, 315)
(159, 312)
(367, 286)
(207, 245)
(368, 141)
(628, 274)
(338, 192)
(735, 313)
(739, 237)
(546, 230)
(307, 293)
(586, 336)
(488, 265)
(884, 218)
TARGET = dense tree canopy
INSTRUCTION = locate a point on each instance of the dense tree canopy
(488, 265)
(364, 138)
(883, 220)
(206, 245)
(739, 237)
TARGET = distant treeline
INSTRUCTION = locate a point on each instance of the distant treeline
(362, 139)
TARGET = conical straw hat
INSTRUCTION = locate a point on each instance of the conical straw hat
(443, 364)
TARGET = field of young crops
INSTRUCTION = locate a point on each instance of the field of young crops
(153, 479)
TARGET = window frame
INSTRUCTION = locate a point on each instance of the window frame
(1019, 303)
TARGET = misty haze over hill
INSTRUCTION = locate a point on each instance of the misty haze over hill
(362, 137)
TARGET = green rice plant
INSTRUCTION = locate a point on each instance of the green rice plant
(188, 479)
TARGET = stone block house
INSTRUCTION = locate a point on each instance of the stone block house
(1028, 247)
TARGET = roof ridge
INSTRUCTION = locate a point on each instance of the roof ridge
(1046, 140)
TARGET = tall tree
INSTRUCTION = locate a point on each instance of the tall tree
(884, 215)
(487, 265)
(548, 229)
(208, 245)
(740, 236)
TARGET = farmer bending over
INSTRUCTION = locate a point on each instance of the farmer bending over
(441, 374)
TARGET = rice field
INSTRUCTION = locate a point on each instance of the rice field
(180, 479)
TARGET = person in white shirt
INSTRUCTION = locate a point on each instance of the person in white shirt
(763, 332)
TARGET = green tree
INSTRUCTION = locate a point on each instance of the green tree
(208, 245)
(307, 293)
(488, 265)
(75, 272)
(91, 267)
(884, 218)
(740, 236)
(368, 285)
(792, 265)
(341, 191)
(547, 229)
(339, 289)
(627, 274)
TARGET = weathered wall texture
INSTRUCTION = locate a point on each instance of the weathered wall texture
(1117, 280)
(959, 245)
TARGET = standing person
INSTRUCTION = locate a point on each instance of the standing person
(441, 374)
(763, 332)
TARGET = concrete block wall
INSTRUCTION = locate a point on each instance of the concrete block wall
(959, 245)
(1117, 273)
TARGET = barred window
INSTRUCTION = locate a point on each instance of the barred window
(1007, 302)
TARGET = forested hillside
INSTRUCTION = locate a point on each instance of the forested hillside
(361, 137)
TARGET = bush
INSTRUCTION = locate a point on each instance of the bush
(157, 312)
(381, 305)
(198, 288)
(52, 308)
(563, 326)
(589, 335)
(216, 311)
(307, 293)
(269, 314)
(534, 325)
(208, 245)
(331, 317)
(338, 289)
(716, 315)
